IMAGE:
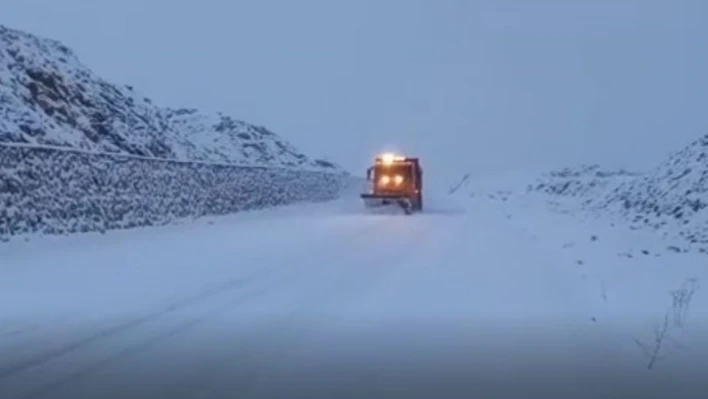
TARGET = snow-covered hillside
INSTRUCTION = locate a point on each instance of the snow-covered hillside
(668, 200)
(48, 97)
(78, 153)
(672, 196)
(222, 139)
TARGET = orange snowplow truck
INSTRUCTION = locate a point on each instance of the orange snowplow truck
(396, 180)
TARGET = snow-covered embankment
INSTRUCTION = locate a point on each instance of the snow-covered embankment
(57, 191)
(78, 153)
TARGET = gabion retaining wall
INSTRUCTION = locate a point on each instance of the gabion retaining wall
(56, 191)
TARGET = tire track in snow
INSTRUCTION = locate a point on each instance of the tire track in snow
(348, 286)
(287, 279)
(173, 307)
(48, 388)
(415, 274)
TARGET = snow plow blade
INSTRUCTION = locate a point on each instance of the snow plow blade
(382, 200)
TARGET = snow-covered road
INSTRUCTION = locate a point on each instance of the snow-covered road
(312, 301)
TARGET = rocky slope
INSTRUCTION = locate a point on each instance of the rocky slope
(670, 199)
(78, 153)
(48, 97)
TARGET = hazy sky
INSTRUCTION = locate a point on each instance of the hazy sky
(466, 84)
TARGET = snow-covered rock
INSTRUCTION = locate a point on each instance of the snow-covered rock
(78, 153)
(48, 97)
(670, 199)
(583, 181)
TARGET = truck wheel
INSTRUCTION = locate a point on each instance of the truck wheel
(407, 206)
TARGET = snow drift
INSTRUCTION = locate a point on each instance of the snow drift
(78, 153)
(672, 197)
(669, 199)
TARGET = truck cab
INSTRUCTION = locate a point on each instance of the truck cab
(395, 179)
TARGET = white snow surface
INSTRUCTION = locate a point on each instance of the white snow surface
(475, 296)
(669, 200)
(49, 98)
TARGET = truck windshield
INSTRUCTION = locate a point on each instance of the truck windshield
(403, 169)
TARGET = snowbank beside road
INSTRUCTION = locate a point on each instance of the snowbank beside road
(648, 290)
(653, 294)
(668, 200)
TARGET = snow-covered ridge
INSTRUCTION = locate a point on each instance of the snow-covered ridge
(670, 199)
(48, 97)
(587, 182)
(79, 154)
(671, 195)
